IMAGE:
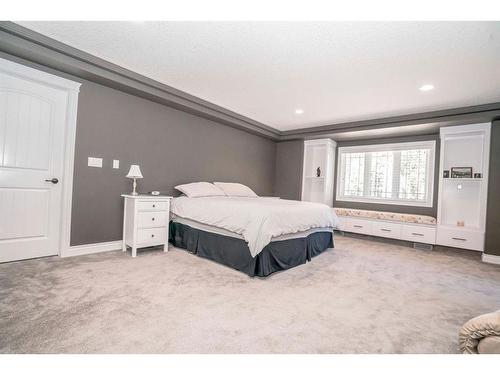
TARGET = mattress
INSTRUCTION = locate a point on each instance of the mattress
(227, 233)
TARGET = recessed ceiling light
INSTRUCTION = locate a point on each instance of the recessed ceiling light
(427, 87)
(299, 111)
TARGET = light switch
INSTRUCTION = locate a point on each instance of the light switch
(95, 162)
(116, 164)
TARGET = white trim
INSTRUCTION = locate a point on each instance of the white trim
(488, 258)
(389, 147)
(69, 162)
(320, 142)
(92, 248)
(72, 89)
(24, 71)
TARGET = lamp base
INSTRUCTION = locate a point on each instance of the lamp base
(134, 192)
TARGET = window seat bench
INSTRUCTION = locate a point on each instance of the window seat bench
(407, 227)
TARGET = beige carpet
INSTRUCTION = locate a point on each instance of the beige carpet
(361, 297)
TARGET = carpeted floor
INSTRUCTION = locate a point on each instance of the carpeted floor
(361, 297)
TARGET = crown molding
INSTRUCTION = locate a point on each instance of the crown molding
(24, 43)
(447, 117)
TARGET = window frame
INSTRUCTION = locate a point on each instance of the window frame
(400, 146)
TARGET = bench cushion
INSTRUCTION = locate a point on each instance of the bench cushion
(391, 216)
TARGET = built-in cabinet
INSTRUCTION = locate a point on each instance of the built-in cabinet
(318, 171)
(461, 218)
(420, 233)
(463, 190)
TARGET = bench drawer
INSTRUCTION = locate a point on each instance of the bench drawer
(358, 226)
(341, 223)
(385, 229)
(418, 233)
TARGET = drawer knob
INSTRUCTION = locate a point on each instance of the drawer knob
(458, 239)
(152, 235)
(417, 234)
(153, 218)
(358, 226)
(385, 230)
(154, 205)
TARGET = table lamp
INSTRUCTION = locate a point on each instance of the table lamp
(134, 172)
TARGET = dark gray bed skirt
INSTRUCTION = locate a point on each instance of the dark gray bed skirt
(234, 252)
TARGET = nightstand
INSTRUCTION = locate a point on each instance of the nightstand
(145, 221)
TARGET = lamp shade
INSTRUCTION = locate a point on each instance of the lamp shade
(134, 172)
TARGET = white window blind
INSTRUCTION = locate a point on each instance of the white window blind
(401, 173)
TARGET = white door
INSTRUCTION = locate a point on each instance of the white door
(32, 140)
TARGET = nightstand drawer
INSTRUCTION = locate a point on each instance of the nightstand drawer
(153, 235)
(152, 219)
(152, 205)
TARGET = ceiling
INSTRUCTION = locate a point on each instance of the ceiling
(334, 71)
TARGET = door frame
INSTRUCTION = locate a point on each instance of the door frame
(72, 89)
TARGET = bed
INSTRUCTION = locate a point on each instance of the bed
(255, 235)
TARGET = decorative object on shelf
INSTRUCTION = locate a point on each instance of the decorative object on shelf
(446, 173)
(460, 187)
(461, 172)
(318, 172)
(460, 223)
(154, 192)
(478, 175)
(135, 173)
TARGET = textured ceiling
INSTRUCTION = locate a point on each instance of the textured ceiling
(335, 71)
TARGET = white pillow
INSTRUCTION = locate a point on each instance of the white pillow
(235, 190)
(200, 189)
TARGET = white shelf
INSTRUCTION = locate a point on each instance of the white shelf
(318, 154)
(315, 178)
(467, 228)
(462, 179)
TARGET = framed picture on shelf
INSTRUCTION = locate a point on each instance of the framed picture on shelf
(446, 174)
(461, 172)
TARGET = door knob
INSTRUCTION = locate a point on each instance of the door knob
(53, 180)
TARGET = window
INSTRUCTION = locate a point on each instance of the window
(399, 173)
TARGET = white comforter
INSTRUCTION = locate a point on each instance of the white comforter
(258, 220)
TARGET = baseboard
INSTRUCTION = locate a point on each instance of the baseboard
(91, 248)
(488, 258)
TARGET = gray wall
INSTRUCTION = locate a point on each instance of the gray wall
(172, 147)
(431, 211)
(288, 178)
(492, 242)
